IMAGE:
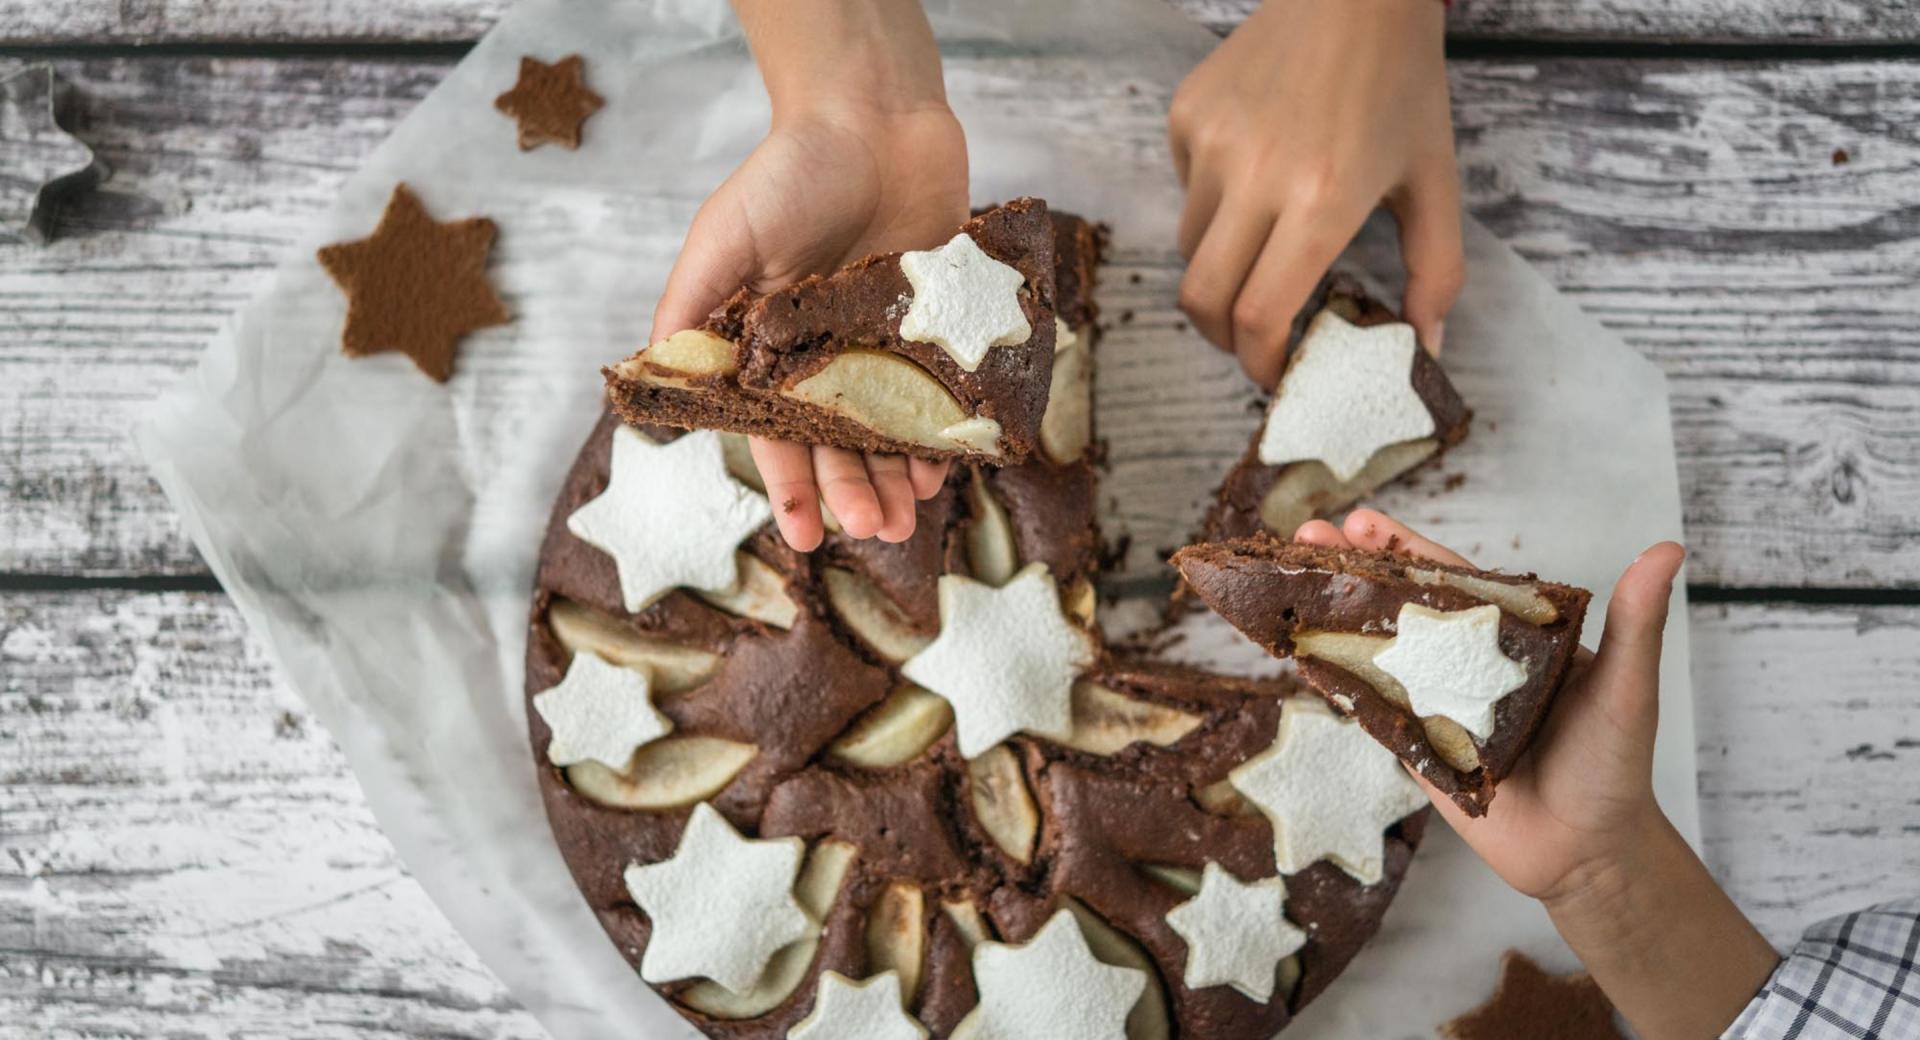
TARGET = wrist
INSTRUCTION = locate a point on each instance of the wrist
(844, 58)
(1599, 893)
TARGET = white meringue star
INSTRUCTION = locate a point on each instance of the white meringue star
(849, 1010)
(599, 712)
(1236, 932)
(1451, 664)
(1051, 988)
(671, 516)
(1347, 393)
(1006, 658)
(717, 879)
(1329, 790)
(964, 301)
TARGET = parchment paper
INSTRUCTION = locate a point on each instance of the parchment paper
(378, 531)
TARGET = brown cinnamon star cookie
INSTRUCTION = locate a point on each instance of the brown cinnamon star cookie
(551, 102)
(415, 285)
(1533, 1004)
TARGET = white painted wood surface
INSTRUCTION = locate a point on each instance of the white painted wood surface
(1696, 208)
(182, 853)
(457, 21)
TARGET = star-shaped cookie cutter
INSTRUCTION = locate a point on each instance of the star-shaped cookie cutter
(41, 164)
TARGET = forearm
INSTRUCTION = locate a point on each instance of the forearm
(1668, 946)
(876, 54)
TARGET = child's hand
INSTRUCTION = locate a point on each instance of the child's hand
(1577, 827)
(863, 156)
(1304, 120)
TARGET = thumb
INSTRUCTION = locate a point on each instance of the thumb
(1626, 670)
(716, 259)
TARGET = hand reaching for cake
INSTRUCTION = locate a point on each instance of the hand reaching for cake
(863, 156)
(1286, 137)
(1576, 826)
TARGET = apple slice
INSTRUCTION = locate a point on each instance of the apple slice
(1221, 798)
(1149, 1019)
(1522, 600)
(991, 554)
(898, 399)
(1081, 600)
(680, 359)
(1354, 652)
(818, 885)
(1105, 721)
(673, 667)
(968, 921)
(1066, 427)
(670, 773)
(759, 593)
(895, 731)
(1002, 802)
(897, 935)
(1307, 489)
(1184, 880)
(872, 616)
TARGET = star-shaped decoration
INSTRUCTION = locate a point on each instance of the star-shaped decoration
(1236, 932)
(551, 102)
(1006, 658)
(1347, 393)
(964, 301)
(1329, 790)
(717, 878)
(1451, 664)
(44, 164)
(671, 516)
(849, 1010)
(415, 286)
(599, 712)
(1531, 1003)
(1051, 988)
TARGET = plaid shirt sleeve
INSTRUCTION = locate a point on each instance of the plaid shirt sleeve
(1853, 977)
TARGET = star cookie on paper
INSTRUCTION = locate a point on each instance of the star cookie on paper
(599, 712)
(1050, 988)
(1329, 790)
(1451, 664)
(1236, 932)
(1347, 393)
(44, 163)
(415, 286)
(964, 301)
(716, 877)
(849, 1010)
(1006, 658)
(671, 516)
(550, 102)
(1531, 1003)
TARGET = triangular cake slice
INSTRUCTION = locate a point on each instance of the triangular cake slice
(940, 353)
(1359, 405)
(1379, 633)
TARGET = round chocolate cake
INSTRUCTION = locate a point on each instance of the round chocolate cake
(905, 790)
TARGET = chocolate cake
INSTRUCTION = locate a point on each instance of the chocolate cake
(943, 353)
(776, 741)
(1381, 634)
(1279, 491)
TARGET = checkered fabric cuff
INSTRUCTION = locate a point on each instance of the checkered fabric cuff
(1854, 977)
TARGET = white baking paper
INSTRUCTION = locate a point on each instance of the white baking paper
(378, 531)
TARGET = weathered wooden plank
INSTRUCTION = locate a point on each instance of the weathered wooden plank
(456, 21)
(185, 853)
(1697, 209)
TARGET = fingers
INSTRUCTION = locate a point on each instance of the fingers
(894, 489)
(1371, 529)
(1428, 212)
(848, 490)
(927, 477)
(713, 262)
(1226, 253)
(1203, 200)
(1297, 254)
(787, 471)
(1323, 534)
(1626, 670)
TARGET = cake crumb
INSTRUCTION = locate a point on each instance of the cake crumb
(1840, 157)
(1126, 317)
(1453, 481)
(1134, 278)
(788, 505)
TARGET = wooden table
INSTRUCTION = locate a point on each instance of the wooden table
(1733, 187)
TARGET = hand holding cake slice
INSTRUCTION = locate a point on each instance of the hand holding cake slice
(939, 353)
(1452, 668)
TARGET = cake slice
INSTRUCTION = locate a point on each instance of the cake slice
(1453, 669)
(941, 353)
(1359, 405)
